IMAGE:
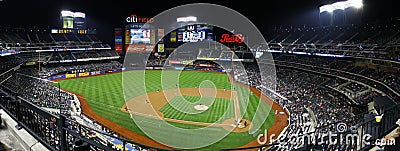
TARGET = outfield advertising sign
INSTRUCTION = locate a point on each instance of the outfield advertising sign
(70, 76)
(84, 74)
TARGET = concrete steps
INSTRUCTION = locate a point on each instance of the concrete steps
(16, 139)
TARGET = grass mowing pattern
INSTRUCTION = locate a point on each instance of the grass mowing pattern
(217, 112)
(105, 95)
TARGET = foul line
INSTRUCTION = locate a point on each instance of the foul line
(237, 107)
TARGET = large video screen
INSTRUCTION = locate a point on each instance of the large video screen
(68, 22)
(195, 33)
(79, 23)
(193, 36)
(139, 36)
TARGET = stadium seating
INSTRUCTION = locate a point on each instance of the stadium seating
(333, 65)
(311, 94)
(317, 91)
(368, 40)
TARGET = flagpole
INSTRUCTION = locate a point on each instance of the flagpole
(215, 44)
(39, 64)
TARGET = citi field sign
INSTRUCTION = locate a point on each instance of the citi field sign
(135, 19)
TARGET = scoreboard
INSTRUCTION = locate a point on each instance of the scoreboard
(75, 31)
(194, 33)
(73, 20)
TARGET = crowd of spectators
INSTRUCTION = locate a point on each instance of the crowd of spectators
(38, 91)
(384, 80)
(316, 101)
(368, 40)
(41, 38)
(313, 105)
(8, 62)
(90, 129)
(46, 94)
(355, 87)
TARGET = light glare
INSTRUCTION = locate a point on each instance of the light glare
(65, 13)
(341, 5)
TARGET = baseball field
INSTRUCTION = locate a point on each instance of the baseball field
(188, 100)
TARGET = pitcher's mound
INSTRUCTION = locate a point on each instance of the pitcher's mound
(201, 107)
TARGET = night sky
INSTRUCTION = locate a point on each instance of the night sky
(105, 15)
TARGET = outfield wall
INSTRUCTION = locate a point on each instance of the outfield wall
(94, 73)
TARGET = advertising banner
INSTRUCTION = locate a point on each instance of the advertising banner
(70, 75)
(95, 73)
(117, 70)
(201, 58)
(127, 36)
(84, 74)
(152, 37)
(160, 47)
(30, 63)
(118, 48)
(187, 62)
(118, 40)
(158, 68)
(139, 48)
(118, 36)
(172, 36)
(56, 77)
(174, 62)
(231, 38)
(224, 59)
(205, 65)
(160, 33)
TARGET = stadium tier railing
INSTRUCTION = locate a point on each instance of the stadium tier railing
(39, 123)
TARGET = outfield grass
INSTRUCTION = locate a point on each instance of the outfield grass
(105, 94)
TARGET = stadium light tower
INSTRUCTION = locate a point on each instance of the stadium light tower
(343, 5)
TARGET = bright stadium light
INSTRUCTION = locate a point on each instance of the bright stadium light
(66, 13)
(79, 14)
(355, 3)
(341, 5)
(326, 8)
(187, 19)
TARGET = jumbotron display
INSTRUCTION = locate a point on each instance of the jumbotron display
(140, 36)
(195, 33)
(73, 20)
